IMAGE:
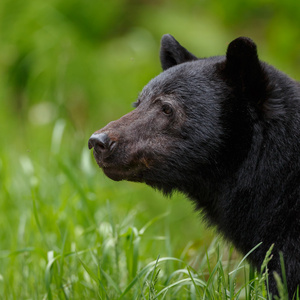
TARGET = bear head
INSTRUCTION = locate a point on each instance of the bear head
(191, 124)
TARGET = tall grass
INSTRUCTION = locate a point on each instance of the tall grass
(63, 237)
(67, 232)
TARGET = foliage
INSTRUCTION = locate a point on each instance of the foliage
(69, 67)
(63, 245)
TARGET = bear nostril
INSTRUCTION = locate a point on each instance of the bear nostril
(100, 142)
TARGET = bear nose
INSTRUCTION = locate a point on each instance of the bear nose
(101, 143)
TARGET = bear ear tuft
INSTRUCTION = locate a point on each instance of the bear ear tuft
(244, 68)
(172, 53)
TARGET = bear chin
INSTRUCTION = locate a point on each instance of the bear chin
(113, 174)
(119, 174)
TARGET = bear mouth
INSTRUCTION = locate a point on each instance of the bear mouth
(118, 172)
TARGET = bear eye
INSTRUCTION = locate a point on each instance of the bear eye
(167, 109)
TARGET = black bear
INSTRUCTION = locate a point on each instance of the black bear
(225, 131)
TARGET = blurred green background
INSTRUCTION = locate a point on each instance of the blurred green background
(69, 67)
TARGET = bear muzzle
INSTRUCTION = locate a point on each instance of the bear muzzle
(102, 144)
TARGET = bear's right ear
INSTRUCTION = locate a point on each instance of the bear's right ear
(172, 53)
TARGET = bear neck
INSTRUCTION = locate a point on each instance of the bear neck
(247, 201)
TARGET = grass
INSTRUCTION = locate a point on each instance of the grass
(70, 233)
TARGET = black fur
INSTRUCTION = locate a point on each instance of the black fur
(230, 140)
(172, 53)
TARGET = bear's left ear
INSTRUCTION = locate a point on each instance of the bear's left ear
(243, 67)
(172, 53)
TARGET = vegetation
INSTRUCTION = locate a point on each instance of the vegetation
(69, 67)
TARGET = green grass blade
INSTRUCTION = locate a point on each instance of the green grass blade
(145, 270)
(195, 285)
(110, 281)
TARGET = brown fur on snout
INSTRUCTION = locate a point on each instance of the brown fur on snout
(145, 162)
(113, 128)
(142, 138)
(128, 159)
